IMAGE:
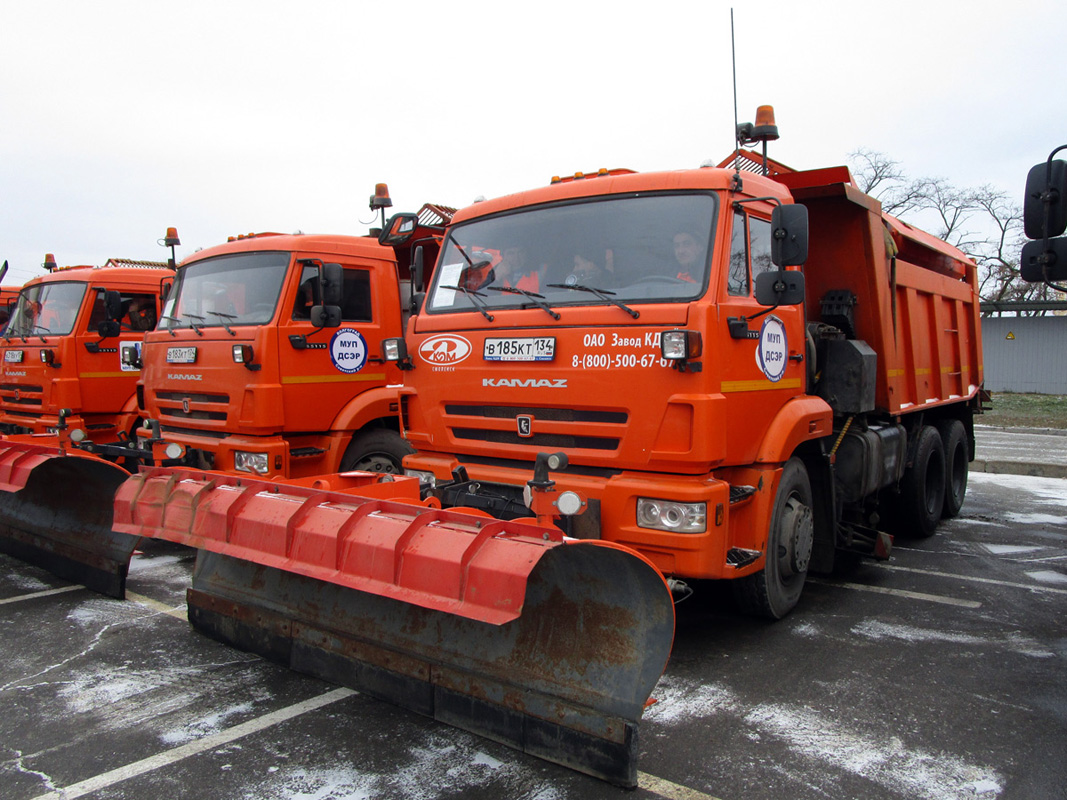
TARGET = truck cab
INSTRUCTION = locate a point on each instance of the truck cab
(61, 348)
(266, 356)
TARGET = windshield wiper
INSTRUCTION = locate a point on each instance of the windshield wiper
(170, 328)
(224, 317)
(537, 299)
(470, 264)
(472, 294)
(193, 324)
(40, 336)
(603, 294)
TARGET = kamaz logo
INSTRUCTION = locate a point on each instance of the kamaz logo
(183, 376)
(526, 383)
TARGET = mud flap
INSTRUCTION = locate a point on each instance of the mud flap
(56, 512)
(550, 647)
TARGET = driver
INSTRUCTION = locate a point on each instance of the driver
(688, 252)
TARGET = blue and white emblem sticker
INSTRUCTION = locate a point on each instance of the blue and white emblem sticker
(348, 350)
(771, 355)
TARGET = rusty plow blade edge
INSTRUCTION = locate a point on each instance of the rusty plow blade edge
(56, 512)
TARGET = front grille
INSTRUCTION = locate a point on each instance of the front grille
(10, 387)
(538, 412)
(178, 397)
(553, 440)
(177, 413)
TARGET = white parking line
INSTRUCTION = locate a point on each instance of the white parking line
(180, 612)
(672, 791)
(169, 757)
(1031, 586)
(930, 598)
(44, 593)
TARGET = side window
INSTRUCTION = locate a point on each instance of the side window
(305, 296)
(138, 312)
(759, 234)
(356, 305)
(356, 300)
(749, 244)
(737, 281)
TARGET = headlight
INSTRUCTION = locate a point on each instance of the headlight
(427, 479)
(664, 515)
(680, 345)
(250, 462)
(394, 350)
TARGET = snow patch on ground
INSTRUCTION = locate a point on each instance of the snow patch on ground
(1013, 642)
(440, 763)
(886, 761)
(1009, 549)
(677, 700)
(1047, 576)
(204, 726)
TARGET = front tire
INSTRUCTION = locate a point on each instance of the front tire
(380, 450)
(775, 591)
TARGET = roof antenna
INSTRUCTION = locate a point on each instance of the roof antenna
(735, 184)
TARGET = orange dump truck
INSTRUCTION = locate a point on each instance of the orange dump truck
(738, 396)
(60, 349)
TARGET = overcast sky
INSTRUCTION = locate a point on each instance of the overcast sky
(119, 119)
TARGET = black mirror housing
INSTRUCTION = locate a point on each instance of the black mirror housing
(1045, 187)
(399, 229)
(108, 328)
(326, 316)
(1036, 256)
(781, 288)
(113, 304)
(333, 282)
(789, 235)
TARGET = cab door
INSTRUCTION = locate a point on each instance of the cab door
(322, 369)
(760, 369)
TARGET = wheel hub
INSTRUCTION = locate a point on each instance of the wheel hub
(798, 537)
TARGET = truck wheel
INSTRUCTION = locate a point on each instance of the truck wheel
(775, 591)
(922, 490)
(376, 451)
(957, 458)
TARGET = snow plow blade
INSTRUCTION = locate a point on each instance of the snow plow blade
(550, 647)
(56, 512)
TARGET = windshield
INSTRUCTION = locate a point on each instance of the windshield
(240, 289)
(652, 248)
(46, 308)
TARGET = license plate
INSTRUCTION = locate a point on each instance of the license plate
(13, 356)
(181, 355)
(511, 348)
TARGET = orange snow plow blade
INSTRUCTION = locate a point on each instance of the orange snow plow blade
(499, 628)
(55, 512)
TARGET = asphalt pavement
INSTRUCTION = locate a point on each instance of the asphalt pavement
(936, 675)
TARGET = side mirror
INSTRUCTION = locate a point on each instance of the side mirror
(113, 305)
(326, 316)
(333, 283)
(399, 229)
(165, 286)
(1046, 188)
(781, 288)
(1041, 255)
(108, 328)
(789, 235)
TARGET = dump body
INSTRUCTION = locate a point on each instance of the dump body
(54, 357)
(292, 402)
(682, 458)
